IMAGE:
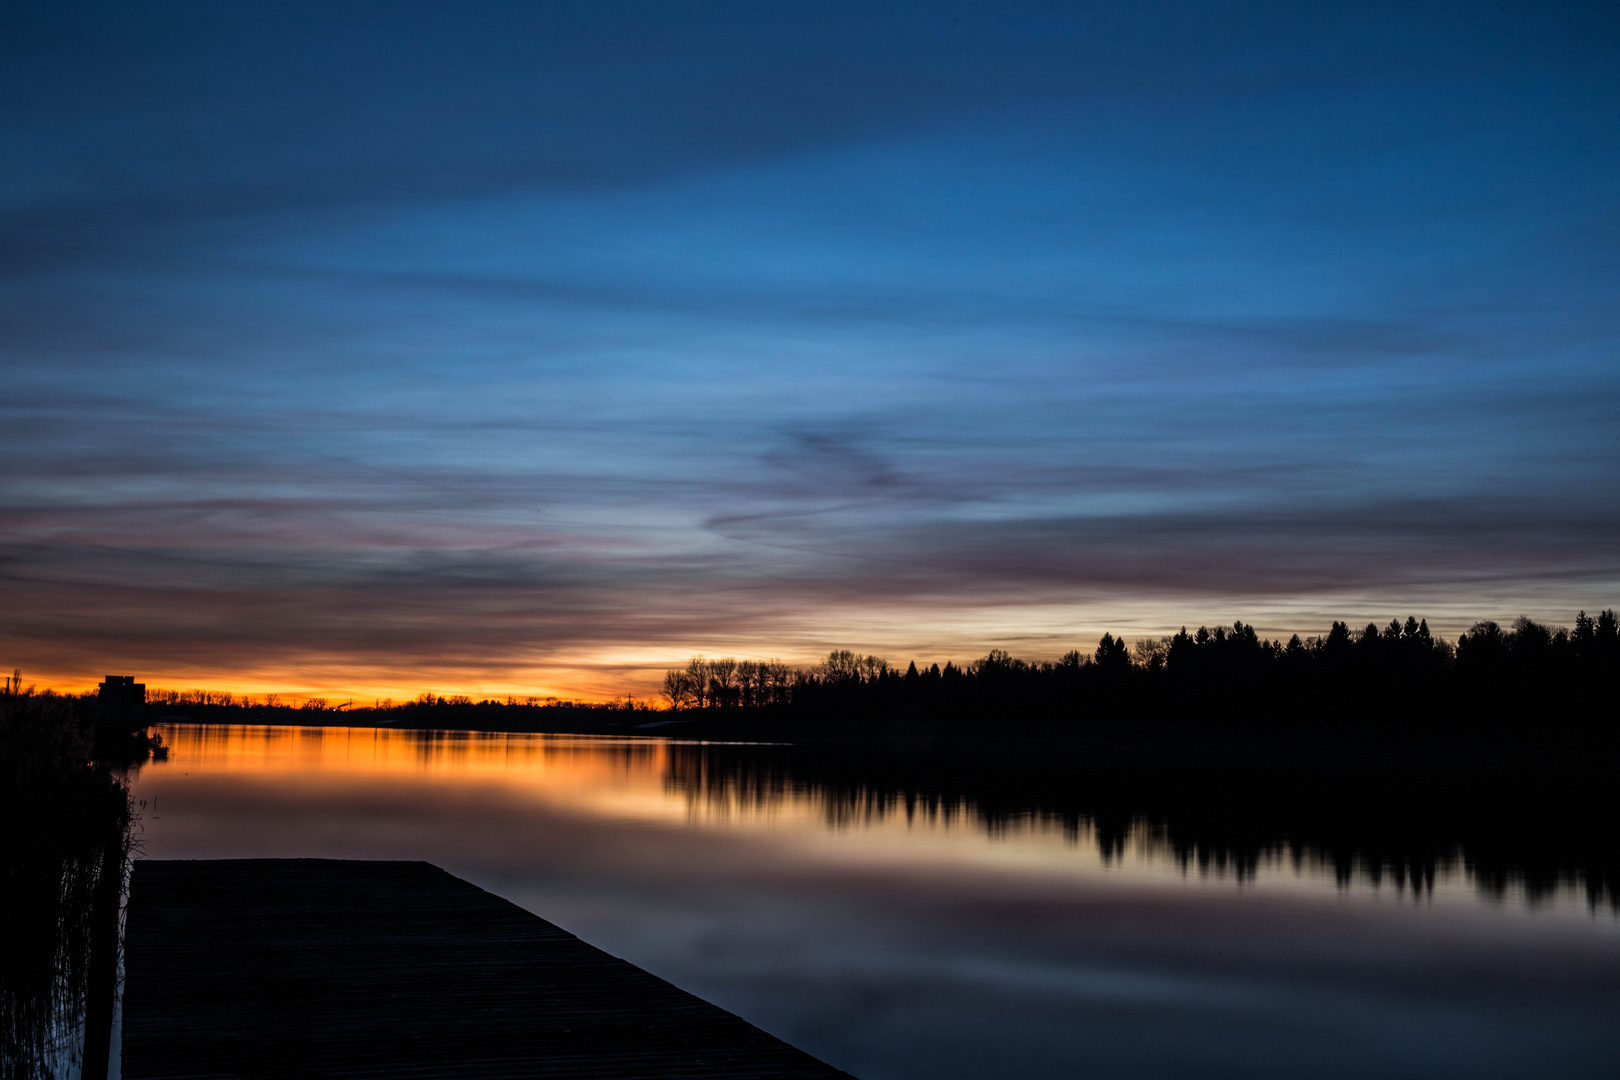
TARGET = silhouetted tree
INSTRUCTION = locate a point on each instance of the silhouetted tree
(1400, 673)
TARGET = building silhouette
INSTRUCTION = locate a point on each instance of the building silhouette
(122, 699)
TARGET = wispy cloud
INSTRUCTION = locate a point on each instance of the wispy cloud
(541, 346)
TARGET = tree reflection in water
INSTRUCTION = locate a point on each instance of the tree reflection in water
(1515, 809)
(64, 859)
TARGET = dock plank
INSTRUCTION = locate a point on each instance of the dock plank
(267, 968)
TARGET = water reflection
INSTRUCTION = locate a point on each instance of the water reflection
(1114, 817)
(903, 916)
(62, 868)
(1508, 826)
(56, 964)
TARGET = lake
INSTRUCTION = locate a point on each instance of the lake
(900, 938)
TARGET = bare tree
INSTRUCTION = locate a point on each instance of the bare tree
(841, 666)
(723, 682)
(678, 689)
(697, 670)
(1151, 653)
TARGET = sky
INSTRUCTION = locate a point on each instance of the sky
(371, 349)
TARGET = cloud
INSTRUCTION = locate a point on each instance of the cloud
(511, 344)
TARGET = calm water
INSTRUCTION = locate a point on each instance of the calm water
(921, 945)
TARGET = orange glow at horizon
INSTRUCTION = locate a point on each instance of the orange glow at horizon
(358, 694)
(606, 673)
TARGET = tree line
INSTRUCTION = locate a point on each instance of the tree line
(1397, 673)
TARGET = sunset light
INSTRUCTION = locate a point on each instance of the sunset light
(822, 541)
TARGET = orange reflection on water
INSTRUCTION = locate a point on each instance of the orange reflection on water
(602, 777)
(339, 783)
(646, 779)
(303, 751)
(510, 785)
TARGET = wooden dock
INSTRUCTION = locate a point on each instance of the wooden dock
(323, 968)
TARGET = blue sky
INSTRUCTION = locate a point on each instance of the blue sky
(532, 348)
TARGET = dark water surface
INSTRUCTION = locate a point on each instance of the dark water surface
(926, 943)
